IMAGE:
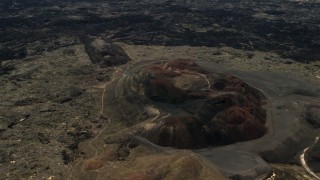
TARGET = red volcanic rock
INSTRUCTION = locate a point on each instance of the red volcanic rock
(93, 164)
(237, 124)
(214, 109)
(237, 116)
(204, 109)
(185, 64)
(173, 68)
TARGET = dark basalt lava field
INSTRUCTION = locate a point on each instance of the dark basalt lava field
(168, 89)
(290, 28)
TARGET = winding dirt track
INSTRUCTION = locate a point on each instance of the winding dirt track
(304, 162)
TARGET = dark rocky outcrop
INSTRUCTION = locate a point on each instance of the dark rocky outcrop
(5, 69)
(12, 53)
(313, 115)
(105, 53)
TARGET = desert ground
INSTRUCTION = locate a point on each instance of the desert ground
(59, 60)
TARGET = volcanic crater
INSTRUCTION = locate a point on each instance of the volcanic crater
(239, 121)
(194, 108)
